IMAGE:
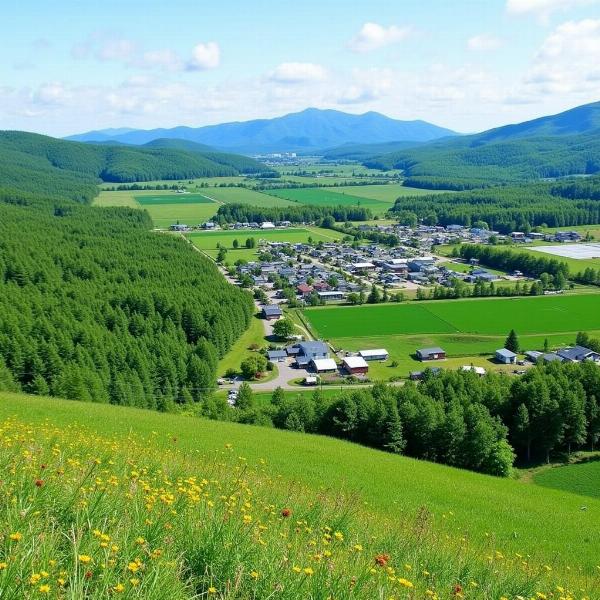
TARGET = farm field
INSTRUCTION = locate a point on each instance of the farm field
(580, 478)
(385, 192)
(255, 334)
(541, 315)
(237, 195)
(207, 241)
(477, 512)
(325, 197)
(575, 264)
(165, 207)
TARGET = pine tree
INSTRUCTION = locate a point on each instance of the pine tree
(512, 342)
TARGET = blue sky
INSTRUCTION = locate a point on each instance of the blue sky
(70, 66)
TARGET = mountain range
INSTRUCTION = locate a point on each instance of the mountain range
(311, 130)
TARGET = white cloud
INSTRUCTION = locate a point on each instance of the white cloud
(373, 36)
(51, 94)
(297, 72)
(205, 56)
(567, 61)
(484, 42)
(543, 8)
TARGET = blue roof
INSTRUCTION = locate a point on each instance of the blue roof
(506, 353)
(313, 348)
(276, 354)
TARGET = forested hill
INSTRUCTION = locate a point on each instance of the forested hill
(94, 306)
(57, 168)
(556, 146)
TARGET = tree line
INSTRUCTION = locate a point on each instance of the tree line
(452, 417)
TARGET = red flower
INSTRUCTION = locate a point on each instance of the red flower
(382, 559)
(39, 482)
(457, 589)
(88, 574)
(286, 512)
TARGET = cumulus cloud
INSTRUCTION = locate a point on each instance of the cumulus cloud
(373, 36)
(297, 72)
(205, 56)
(543, 8)
(484, 42)
(567, 61)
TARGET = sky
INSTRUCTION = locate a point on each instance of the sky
(69, 66)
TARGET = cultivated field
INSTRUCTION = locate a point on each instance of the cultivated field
(581, 478)
(207, 241)
(325, 197)
(440, 526)
(384, 193)
(237, 195)
(165, 207)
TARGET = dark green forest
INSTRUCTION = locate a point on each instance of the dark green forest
(64, 169)
(452, 417)
(93, 306)
(511, 208)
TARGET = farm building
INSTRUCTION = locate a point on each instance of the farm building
(578, 354)
(331, 295)
(431, 354)
(363, 266)
(533, 355)
(271, 312)
(267, 225)
(324, 365)
(355, 365)
(276, 355)
(304, 289)
(506, 357)
(471, 368)
(307, 351)
(379, 354)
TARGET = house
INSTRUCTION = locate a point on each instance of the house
(578, 354)
(331, 295)
(435, 353)
(277, 355)
(416, 265)
(506, 357)
(209, 225)
(355, 365)
(324, 365)
(550, 357)
(304, 289)
(418, 375)
(178, 227)
(307, 351)
(379, 354)
(533, 355)
(267, 225)
(397, 265)
(272, 312)
(311, 380)
(363, 266)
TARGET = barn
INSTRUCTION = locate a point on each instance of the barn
(355, 365)
(431, 354)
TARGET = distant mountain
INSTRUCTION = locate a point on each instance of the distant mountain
(362, 151)
(554, 146)
(307, 131)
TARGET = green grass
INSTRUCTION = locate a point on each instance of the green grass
(457, 509)
(255, 334)
(207, 241)
(237, 195)
(581, 478)
(162, 199)
(385, 192)
(541, 315)
(165, 207)
(325, 197)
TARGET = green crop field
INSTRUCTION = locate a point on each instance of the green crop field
(581, 478)
(441, 526)
(207, 241)
(165, 207)
(173, 198)
(547, 314)
(325, 197)
(384, 193)
(238, 195)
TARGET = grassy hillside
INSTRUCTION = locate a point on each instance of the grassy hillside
(230, 511)
(39, 164)
(581, 478)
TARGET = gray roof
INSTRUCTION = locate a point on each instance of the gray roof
(311, 347)
(274, 354)
(271, 310)
(505, 353)
(550, 357)
(426, 351)
(575, 353)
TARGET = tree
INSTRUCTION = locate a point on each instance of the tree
(278, 396)
(522, 429)
(221, 255)
(374, 295)
(245, 398)
(250, 243)
(236, 244)
(253, 366)
(284, 328)
(512, 342)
